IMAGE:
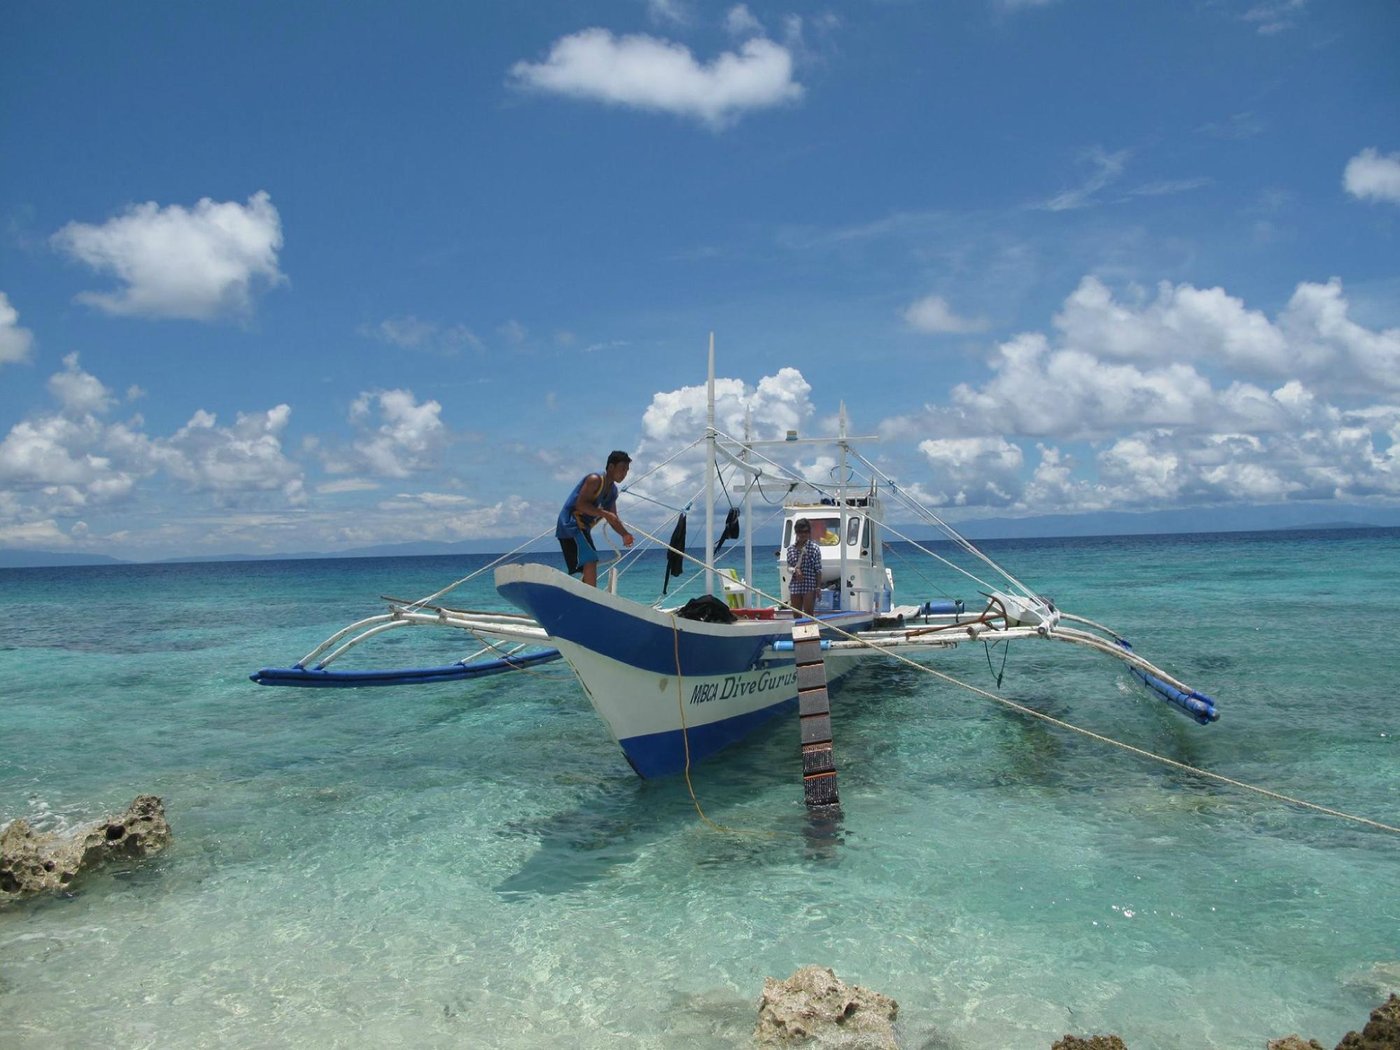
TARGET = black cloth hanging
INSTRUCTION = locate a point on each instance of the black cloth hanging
(731, 529)
(675, 555)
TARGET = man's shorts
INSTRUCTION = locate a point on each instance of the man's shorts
(577, 553)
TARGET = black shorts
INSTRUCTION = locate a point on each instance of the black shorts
(570, 549)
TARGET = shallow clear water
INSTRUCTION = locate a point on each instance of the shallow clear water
(474, 863)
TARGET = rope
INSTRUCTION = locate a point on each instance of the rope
(1042, 716)
(1132, 749)
(1010, 704)
(473, 575)
(490, 645)
(685, 730)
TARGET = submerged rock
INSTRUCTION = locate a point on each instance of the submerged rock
(1381, 980)
(814, 1006)
(42, 862)
(1382, 1031)
(1295, 1042)
(1093, 1042)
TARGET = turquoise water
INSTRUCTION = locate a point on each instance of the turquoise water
(474, 863)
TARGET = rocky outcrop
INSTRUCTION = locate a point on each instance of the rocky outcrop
(1295, 1042)
(1093, 1042)
(1382, 1031)
(817, 1008)
(44, 862)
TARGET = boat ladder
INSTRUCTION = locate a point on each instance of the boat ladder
(814, 711)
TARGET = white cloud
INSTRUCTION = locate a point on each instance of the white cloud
(71, 460)
(1322, 422)
(52, 451)
(933, 314)
(15, 342)
(1313, 339)
(449, 517)
(1245, 125)
(66, 460)
(1040, 391)
(740, 22)
(977, 470)
(195, 263)
(1168, 187)
(1183, 323)
(513, 332)
(410, 436)
(778, 403)
(643, 72)
(333, 488)
(411, 333)
(79, 392)
(434, 501)
(1108, 167)
(668, 12)
(1371, 176)
(232, 462)
(1275, 16)
(675, 418)
(1333, 352)
(45, 535)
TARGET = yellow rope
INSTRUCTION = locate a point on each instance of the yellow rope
(685, 740)
(685, 731)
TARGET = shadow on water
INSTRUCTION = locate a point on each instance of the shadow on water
(823, 834)
(751, 797)
(586, 844)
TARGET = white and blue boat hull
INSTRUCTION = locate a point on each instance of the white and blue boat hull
(671, 691)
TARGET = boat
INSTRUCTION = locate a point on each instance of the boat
(675, 682)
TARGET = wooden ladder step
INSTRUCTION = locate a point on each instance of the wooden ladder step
(814, 713)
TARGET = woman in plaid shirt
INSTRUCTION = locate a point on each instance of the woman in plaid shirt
(804, 558)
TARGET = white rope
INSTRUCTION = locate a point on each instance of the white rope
(473, 575)
(1089, 733)
(1132, 749)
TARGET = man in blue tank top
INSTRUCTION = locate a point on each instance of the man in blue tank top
(593, 499)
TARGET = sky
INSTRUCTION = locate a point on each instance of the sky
(308, 277)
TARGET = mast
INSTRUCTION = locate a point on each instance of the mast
(747, 520)
(710, 473)
(841, 486)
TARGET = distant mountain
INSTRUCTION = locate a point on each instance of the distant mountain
(1109, 523)
(1221, 519)
(424, 549)
(22, 559)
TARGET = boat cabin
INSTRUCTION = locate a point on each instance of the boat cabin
(847, 531)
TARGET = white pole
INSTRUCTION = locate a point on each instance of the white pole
(841, 498)
(710, 475)
(747, 523)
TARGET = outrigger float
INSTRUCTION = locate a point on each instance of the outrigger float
(675, 683)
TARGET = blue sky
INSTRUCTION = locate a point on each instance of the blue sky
(285, 277)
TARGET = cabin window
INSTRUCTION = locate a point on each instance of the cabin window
(825, 531)
(853, 531)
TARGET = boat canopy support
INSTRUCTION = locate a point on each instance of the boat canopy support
(528, 647)
(455, 672)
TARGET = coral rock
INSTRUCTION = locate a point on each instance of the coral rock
(1295, 1042)
(43, 862)
(814, 1006)
(1093, 1042)
(1382, 1031)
